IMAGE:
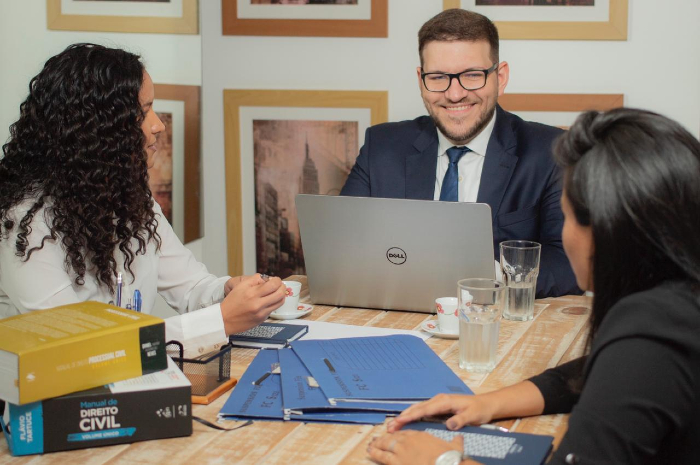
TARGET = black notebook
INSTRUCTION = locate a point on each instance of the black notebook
(269, 335)
(494, 447)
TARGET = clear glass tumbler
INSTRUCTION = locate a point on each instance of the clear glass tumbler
(520, 263)
(481, 303)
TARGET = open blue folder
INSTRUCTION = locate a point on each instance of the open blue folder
(494, 447)
(258, 395)
(301, 393)
(398, 368)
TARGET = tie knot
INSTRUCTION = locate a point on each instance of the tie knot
(455, 153)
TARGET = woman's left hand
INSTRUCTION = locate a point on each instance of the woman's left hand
(231, 283)
(411, 447)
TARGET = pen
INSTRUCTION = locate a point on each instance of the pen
(494, 428)
(119, 289)
(137, 300)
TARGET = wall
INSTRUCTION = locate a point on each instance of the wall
(25, 44)
(662, 42)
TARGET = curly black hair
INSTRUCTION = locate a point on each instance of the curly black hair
(77, 151)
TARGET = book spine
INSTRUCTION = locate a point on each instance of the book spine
(86, 363)
(77, 422)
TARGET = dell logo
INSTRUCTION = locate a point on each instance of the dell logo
(396, 256)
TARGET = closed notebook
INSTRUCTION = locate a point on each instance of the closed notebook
(49, 353)
(258, 395)
(493, 447)
(302, 394)
(398, 368)
(269, 335)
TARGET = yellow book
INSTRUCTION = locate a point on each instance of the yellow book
(53, 352)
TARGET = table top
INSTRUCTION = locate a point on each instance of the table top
(556, 335)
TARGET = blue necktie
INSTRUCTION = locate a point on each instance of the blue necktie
(450, 183)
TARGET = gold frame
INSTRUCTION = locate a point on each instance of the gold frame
(376, 26)
(190, 96)
(560, 102)
(187, 24)
(613, 29)
(375, 101)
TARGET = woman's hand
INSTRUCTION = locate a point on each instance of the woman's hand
(233, 282)
(411, 447)
(250, 301)
(467, 410)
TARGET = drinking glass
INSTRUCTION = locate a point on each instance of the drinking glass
(520, 263)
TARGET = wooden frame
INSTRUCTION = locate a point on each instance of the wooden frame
(190, 95)
(187, 24)
(377, 26)
(234, 100)
(560, 102)
(613, 29)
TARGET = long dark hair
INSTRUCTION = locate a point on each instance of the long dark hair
(634, 177)
(77, 151)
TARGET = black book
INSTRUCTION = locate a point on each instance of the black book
(269, 336)
(153, 406)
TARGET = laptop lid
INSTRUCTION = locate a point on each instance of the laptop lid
(392, 253)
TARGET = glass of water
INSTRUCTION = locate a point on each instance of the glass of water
(520, 263)
(481, 302)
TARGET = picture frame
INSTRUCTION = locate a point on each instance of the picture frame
(557, 109)
(242, 108)
(186, 183)
(234, 24)
(615, 28)
(160, 21)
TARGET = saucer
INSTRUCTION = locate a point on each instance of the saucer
(303, 309)
(431, 327)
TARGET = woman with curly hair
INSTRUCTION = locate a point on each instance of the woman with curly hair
(635, 397)
(76, 210)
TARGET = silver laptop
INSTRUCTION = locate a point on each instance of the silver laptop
(392, 253)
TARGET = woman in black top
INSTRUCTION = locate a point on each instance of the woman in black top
(631, 204)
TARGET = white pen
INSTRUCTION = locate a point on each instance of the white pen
(119, 289)
(494, 427)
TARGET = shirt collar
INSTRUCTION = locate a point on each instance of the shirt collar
(478, 145)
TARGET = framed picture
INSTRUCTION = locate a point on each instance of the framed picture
(280, 143)
(552, 19)
(557, 109)
(174, 168)
(156, 16)
(324, 18)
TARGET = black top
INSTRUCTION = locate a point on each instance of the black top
(640, 402)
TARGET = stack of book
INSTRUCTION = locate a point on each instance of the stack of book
(351, 380)
(88, 374)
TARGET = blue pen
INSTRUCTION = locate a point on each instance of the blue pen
(119, 289)
(137, 300)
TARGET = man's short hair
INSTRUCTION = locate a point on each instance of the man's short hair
(458, 24)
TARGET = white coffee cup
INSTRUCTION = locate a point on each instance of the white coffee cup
(448, 317)
(291, 300)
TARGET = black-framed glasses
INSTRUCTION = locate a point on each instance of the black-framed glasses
(471, 79)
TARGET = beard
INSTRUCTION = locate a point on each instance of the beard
(466, 134)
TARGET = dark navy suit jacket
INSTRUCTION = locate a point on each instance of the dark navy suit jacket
(519, 181)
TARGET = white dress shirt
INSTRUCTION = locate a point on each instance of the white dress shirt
(469, 166)
(173, 272)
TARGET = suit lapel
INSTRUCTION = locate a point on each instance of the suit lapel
(422, 164)
(499, 163)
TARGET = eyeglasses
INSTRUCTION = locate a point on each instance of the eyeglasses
(471, 79)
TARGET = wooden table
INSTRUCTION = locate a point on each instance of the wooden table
(556, 335)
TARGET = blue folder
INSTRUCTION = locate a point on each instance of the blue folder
(494, 447)
(398, 368)
(300, 393)
(258, 395)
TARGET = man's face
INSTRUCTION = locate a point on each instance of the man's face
(461, 114)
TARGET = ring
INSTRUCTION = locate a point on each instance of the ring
(264, 277)
(391, 446)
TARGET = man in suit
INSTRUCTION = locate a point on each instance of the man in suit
(469, 149)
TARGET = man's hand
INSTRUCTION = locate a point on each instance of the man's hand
(249, 301)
